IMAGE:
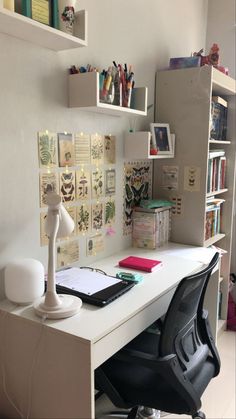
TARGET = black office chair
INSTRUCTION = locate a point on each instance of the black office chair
(169, 371)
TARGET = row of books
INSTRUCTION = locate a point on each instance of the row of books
(219, 110)
(151, 227)
(43, 11)
(216, 170)
(213, 217)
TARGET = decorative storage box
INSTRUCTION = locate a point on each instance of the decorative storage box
(151, 227)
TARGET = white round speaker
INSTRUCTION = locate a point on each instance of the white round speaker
(24, 280)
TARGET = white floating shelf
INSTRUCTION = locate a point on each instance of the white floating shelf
(22, 27)
(137, 146)
(84, 94)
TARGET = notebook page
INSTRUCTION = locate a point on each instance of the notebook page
(85, 281)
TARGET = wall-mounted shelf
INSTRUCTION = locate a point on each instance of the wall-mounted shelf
(84, 94)
(22, 27)
(137, 146)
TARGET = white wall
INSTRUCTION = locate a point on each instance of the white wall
(33, 86)
(221, 29)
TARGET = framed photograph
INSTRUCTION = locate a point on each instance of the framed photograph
(161, 138)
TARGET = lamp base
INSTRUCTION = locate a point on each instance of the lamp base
(70, 305)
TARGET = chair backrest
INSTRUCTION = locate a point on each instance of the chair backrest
(181, 333)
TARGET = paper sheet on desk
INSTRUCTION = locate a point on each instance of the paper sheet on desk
(83, 280)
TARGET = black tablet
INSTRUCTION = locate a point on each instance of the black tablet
(100, 298)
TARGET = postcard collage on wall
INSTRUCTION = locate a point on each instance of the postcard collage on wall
(81, 169)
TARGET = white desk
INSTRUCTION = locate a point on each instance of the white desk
(49, 368)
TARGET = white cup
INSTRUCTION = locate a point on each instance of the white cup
(66, 9)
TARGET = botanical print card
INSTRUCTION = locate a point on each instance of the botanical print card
(82, 184)
(43, 235)
(95, 244)
(97, 216)
(138, 185)
(82, 149)
(109, 149)
(110, 212)
(48, 182)
(67, 186)
(97, 149)
(83, 218)
(110, 182)
(67, 253)
(97, 183)
(66, 150)
(47, 146)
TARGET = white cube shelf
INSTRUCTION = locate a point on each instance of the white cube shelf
(138, 144)
(84, 94)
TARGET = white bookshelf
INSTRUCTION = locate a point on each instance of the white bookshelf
(184, 101)
(84, 94)
(22, 27)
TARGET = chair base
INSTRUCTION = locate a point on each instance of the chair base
(147, 413)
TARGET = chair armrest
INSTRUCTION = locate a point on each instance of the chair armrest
(207, 334)
(169, 368)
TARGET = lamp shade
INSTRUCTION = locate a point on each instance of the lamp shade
(24, 280)
(66, 224)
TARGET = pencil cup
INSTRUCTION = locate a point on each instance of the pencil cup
(66, 10)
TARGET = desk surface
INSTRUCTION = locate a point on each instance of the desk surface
(92, 323)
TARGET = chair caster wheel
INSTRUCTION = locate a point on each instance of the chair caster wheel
(199, 415)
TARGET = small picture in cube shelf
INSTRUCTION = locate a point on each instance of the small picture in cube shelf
(161, 138)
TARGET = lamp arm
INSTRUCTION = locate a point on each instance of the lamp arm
(51, 297)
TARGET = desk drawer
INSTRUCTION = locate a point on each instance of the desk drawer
(119, 337)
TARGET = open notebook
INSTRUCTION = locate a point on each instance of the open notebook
(91, 286)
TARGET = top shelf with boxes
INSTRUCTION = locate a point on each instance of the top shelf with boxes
(84, 94)
(22, 27)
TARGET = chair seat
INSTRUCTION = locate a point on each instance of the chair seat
(135, 383)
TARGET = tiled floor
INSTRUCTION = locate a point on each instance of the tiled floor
(219, 399)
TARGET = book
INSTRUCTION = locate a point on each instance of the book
(141, 264)
(216, 153)
(44, 12)
(219, 109)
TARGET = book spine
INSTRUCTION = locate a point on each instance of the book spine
(55, 14)
(26, 8)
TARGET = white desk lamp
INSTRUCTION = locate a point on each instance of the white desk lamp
(58, 224)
